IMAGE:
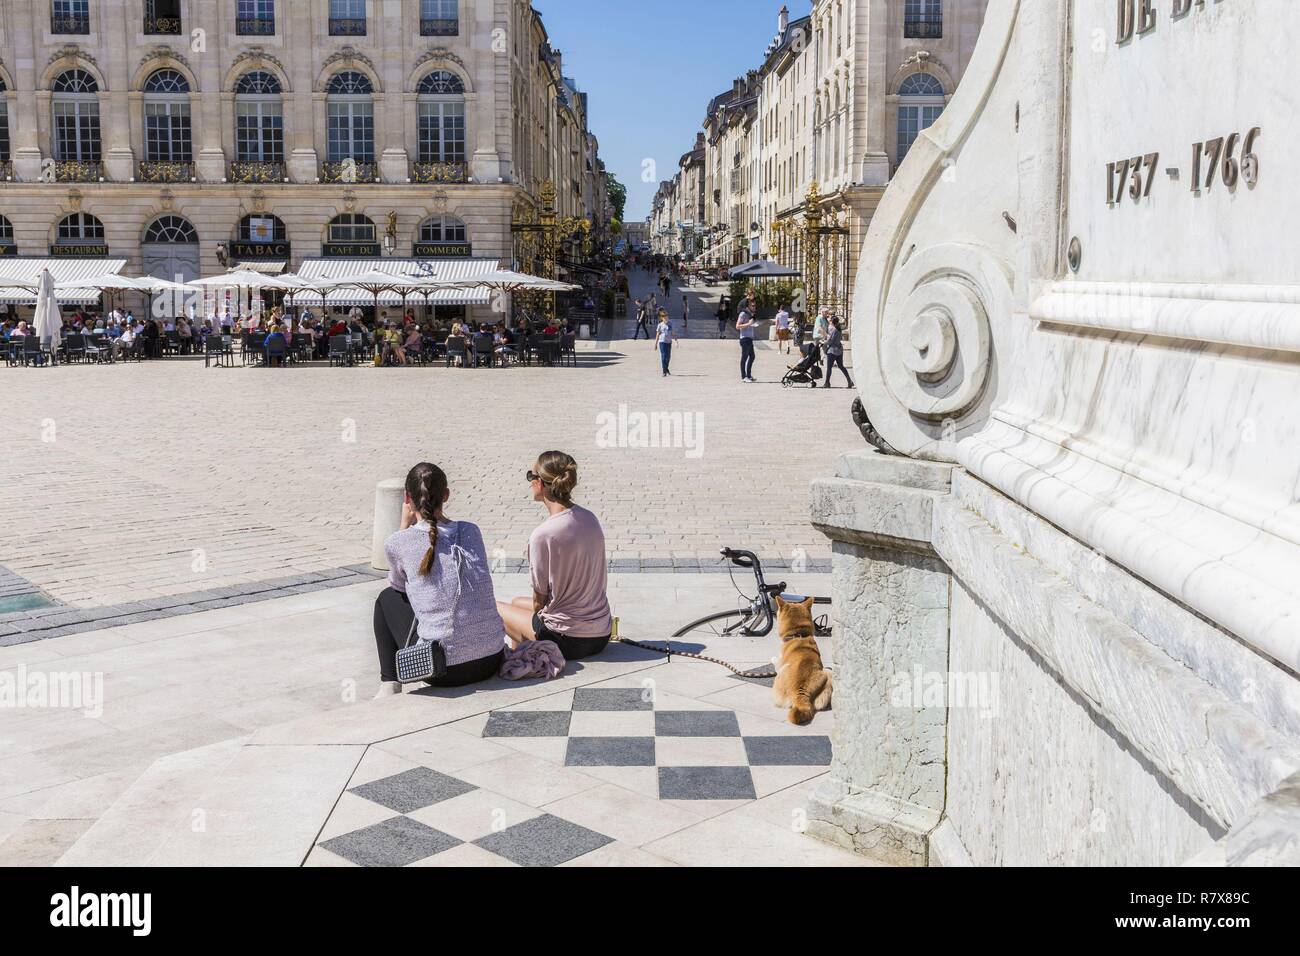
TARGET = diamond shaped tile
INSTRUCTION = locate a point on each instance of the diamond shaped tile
(543, 841)
(527, 723)
(412, 789)
(396, 842)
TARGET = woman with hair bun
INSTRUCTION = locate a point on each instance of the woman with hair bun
(439, 589)
(566, 558)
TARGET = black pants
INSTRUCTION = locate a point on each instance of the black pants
(573, 648)
(641, 327)
(746, 358)
(393, 617)
(831, 362)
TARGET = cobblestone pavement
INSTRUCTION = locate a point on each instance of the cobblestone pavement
(127, 483)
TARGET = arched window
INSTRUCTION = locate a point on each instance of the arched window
(261, 227)
(79, 227)
(167, 118)
(920, 102)
(441, 118)
(351, 227)
(171, 230)
(442, 229)
(4, 124)
(259, 119)
(351, 117)
(76, 117)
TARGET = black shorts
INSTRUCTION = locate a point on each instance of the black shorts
(573, 648)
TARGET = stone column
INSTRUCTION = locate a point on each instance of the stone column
(205, 116)
(114, 105)
(871, 89)
(884, 795)
(304, 110)
(491, 72)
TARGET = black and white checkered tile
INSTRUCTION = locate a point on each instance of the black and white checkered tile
(698, 755)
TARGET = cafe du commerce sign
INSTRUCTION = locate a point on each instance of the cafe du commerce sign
(442, 250)
(350, 250)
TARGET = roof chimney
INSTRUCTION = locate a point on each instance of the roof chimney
(783, 21)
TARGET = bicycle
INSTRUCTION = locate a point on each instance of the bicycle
(756, 615)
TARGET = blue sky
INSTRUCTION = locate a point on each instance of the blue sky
(650, 67)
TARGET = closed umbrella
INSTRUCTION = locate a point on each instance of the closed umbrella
(49, 320)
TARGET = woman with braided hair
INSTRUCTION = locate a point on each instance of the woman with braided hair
(439, 589)
(566, 559)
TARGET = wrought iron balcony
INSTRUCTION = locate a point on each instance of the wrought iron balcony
(442, 27)
(255, 26)
(347, 26)
(242, 171)
(349, 171)
(70, 23)
(159, 171)
(735, 180)
(74, 171)
(924, 26)
(439, 172)
(169, 26)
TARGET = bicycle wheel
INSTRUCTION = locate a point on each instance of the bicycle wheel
(737, 622)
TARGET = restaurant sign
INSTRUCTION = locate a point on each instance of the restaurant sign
(442, 250)
(80, 250)
(259, 250)
(350, 250)
(7, 249)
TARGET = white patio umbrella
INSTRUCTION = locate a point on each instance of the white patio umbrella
(109, 282)
(503, 280)
(375, 281)
(49, 320)
(240, 280)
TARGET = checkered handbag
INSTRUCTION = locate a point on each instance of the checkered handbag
(426, 660)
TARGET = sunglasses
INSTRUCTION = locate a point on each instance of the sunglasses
(533, 476)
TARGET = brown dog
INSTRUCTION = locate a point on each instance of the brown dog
(802, 684)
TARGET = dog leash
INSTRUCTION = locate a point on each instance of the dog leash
(668, 650)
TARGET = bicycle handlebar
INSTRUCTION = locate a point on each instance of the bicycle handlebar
(741, 559)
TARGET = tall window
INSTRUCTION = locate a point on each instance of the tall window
(6, 232)
(442, 118)
(4, 124)
(923, 19)
(439, 18)
(920, 102)
(259, 119)
(76, 117)
(442, 229)
(255, 17)
(79, 227)
(162, 16)
(167, 118)
(261, 228)
(70, 16)
(351, 227)
(351, 118)
(347, 18)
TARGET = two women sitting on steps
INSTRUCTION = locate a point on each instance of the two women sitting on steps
(440, 583)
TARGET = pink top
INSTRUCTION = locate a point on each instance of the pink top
(566, 555)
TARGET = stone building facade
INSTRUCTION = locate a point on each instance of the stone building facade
(839, 98)
(190, 136)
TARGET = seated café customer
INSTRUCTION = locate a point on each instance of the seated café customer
(566, 557)
(440, 583)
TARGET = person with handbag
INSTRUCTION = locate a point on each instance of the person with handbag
(437, 621)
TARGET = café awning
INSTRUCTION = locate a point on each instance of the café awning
(26, 270)
(436, 270)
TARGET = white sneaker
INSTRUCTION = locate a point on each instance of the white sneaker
(389, 688)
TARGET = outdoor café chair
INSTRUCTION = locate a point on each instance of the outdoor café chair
(457, 348)
(74, 347)
(484, 351)
(340, 351)
(12, 349)
(276, 349)
(32, 354)
(217, 349)
(569, 349)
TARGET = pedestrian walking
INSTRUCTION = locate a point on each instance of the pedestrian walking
(686, 315)
(642, 323)
(664, 339)
(800, 327)
(821, 326)
(724, 307)
(835, 352)
(745, 331)
(783, 329)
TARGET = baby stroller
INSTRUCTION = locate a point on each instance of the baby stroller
(808, 371)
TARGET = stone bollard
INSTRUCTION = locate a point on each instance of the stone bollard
(389, 496)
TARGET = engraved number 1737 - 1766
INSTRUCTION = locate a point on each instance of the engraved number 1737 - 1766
(1138, 172)
(1217, 158)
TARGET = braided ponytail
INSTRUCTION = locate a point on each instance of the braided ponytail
(426, 485)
